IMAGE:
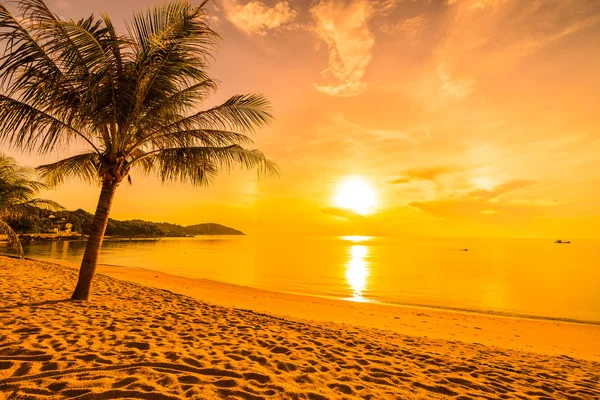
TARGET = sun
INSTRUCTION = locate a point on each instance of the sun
(357, 195)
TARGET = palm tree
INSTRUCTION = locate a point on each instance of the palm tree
(17, 191)
(130, 100)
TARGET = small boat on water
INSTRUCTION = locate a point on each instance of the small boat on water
(562, 241)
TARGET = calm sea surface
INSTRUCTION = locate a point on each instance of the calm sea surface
(529, 277)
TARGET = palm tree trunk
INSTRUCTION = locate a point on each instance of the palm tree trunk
(92, 249)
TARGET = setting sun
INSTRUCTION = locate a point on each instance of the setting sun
(356, 195)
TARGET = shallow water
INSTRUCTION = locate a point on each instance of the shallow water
(529, 277)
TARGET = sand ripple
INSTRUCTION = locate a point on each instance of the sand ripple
(141, 343)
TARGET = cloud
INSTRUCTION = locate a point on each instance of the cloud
(342, 213)
(423, 173)
(479, 203)
(484, 42)
(257, 18)
(486, 35)
(456, 88)
(411, 28)
(384, 7)
(486, 4)
(501, 189)
(414, 134)
(215, 20)
(344, 27)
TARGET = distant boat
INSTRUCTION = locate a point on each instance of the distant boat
(562, 241)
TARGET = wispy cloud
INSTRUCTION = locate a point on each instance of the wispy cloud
(385, 7)
(500, 189)
(342, 213)
(485, 39)
(453, 87)
(501, 32)
(486, 4)
(413, 135)
(411, 28)
(423, 174)
(479, 202)
(344, 27)
(257, 18)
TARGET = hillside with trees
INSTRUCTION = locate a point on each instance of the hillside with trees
(45, 221)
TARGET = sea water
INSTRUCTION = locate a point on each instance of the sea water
(521, 277)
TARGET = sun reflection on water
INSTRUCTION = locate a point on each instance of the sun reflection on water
(357, 271)
(357, 239)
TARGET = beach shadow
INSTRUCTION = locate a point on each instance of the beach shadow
(38, 304)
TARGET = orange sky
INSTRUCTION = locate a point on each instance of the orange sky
(468, 117)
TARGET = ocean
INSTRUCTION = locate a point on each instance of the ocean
(514, 277)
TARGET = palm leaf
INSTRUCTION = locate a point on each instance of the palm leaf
(82, 166)
(13, 238)
(172, 43)
(17, 192)
(30, 207)
(29, 128)
(199, 165)
(177, 104)
(243, 113)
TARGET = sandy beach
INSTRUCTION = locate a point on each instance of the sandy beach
(149, 335)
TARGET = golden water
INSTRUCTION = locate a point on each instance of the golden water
(532, 277)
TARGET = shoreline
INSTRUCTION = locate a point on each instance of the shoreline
(475, 311)
(449, 309)
(543, 336)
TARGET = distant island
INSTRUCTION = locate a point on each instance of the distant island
(209, 228)
(72, 224)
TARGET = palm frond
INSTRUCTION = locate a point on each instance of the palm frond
(95, 48)
(175, 28)
(30, 207)
(23, 52)
(172, 43)
(244, 113)
(82, 166)
(198, 138)
(199, 165)
(29, 128)
(81, 90)
(115, 42)
(92, 44)
(34, 67)
(47, 28)
(17, 191)
(16, 185)
(10, 170)
(36, 87)
(176, 104)
(13, 238)
(21, 189)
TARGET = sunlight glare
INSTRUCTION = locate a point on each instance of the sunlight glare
(357, 271)
(484, 183)
(357, 238)
(357, 195)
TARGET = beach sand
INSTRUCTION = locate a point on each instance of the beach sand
(213, 341)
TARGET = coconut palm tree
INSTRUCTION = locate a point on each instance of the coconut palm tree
(131, 101)
(17, 198)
